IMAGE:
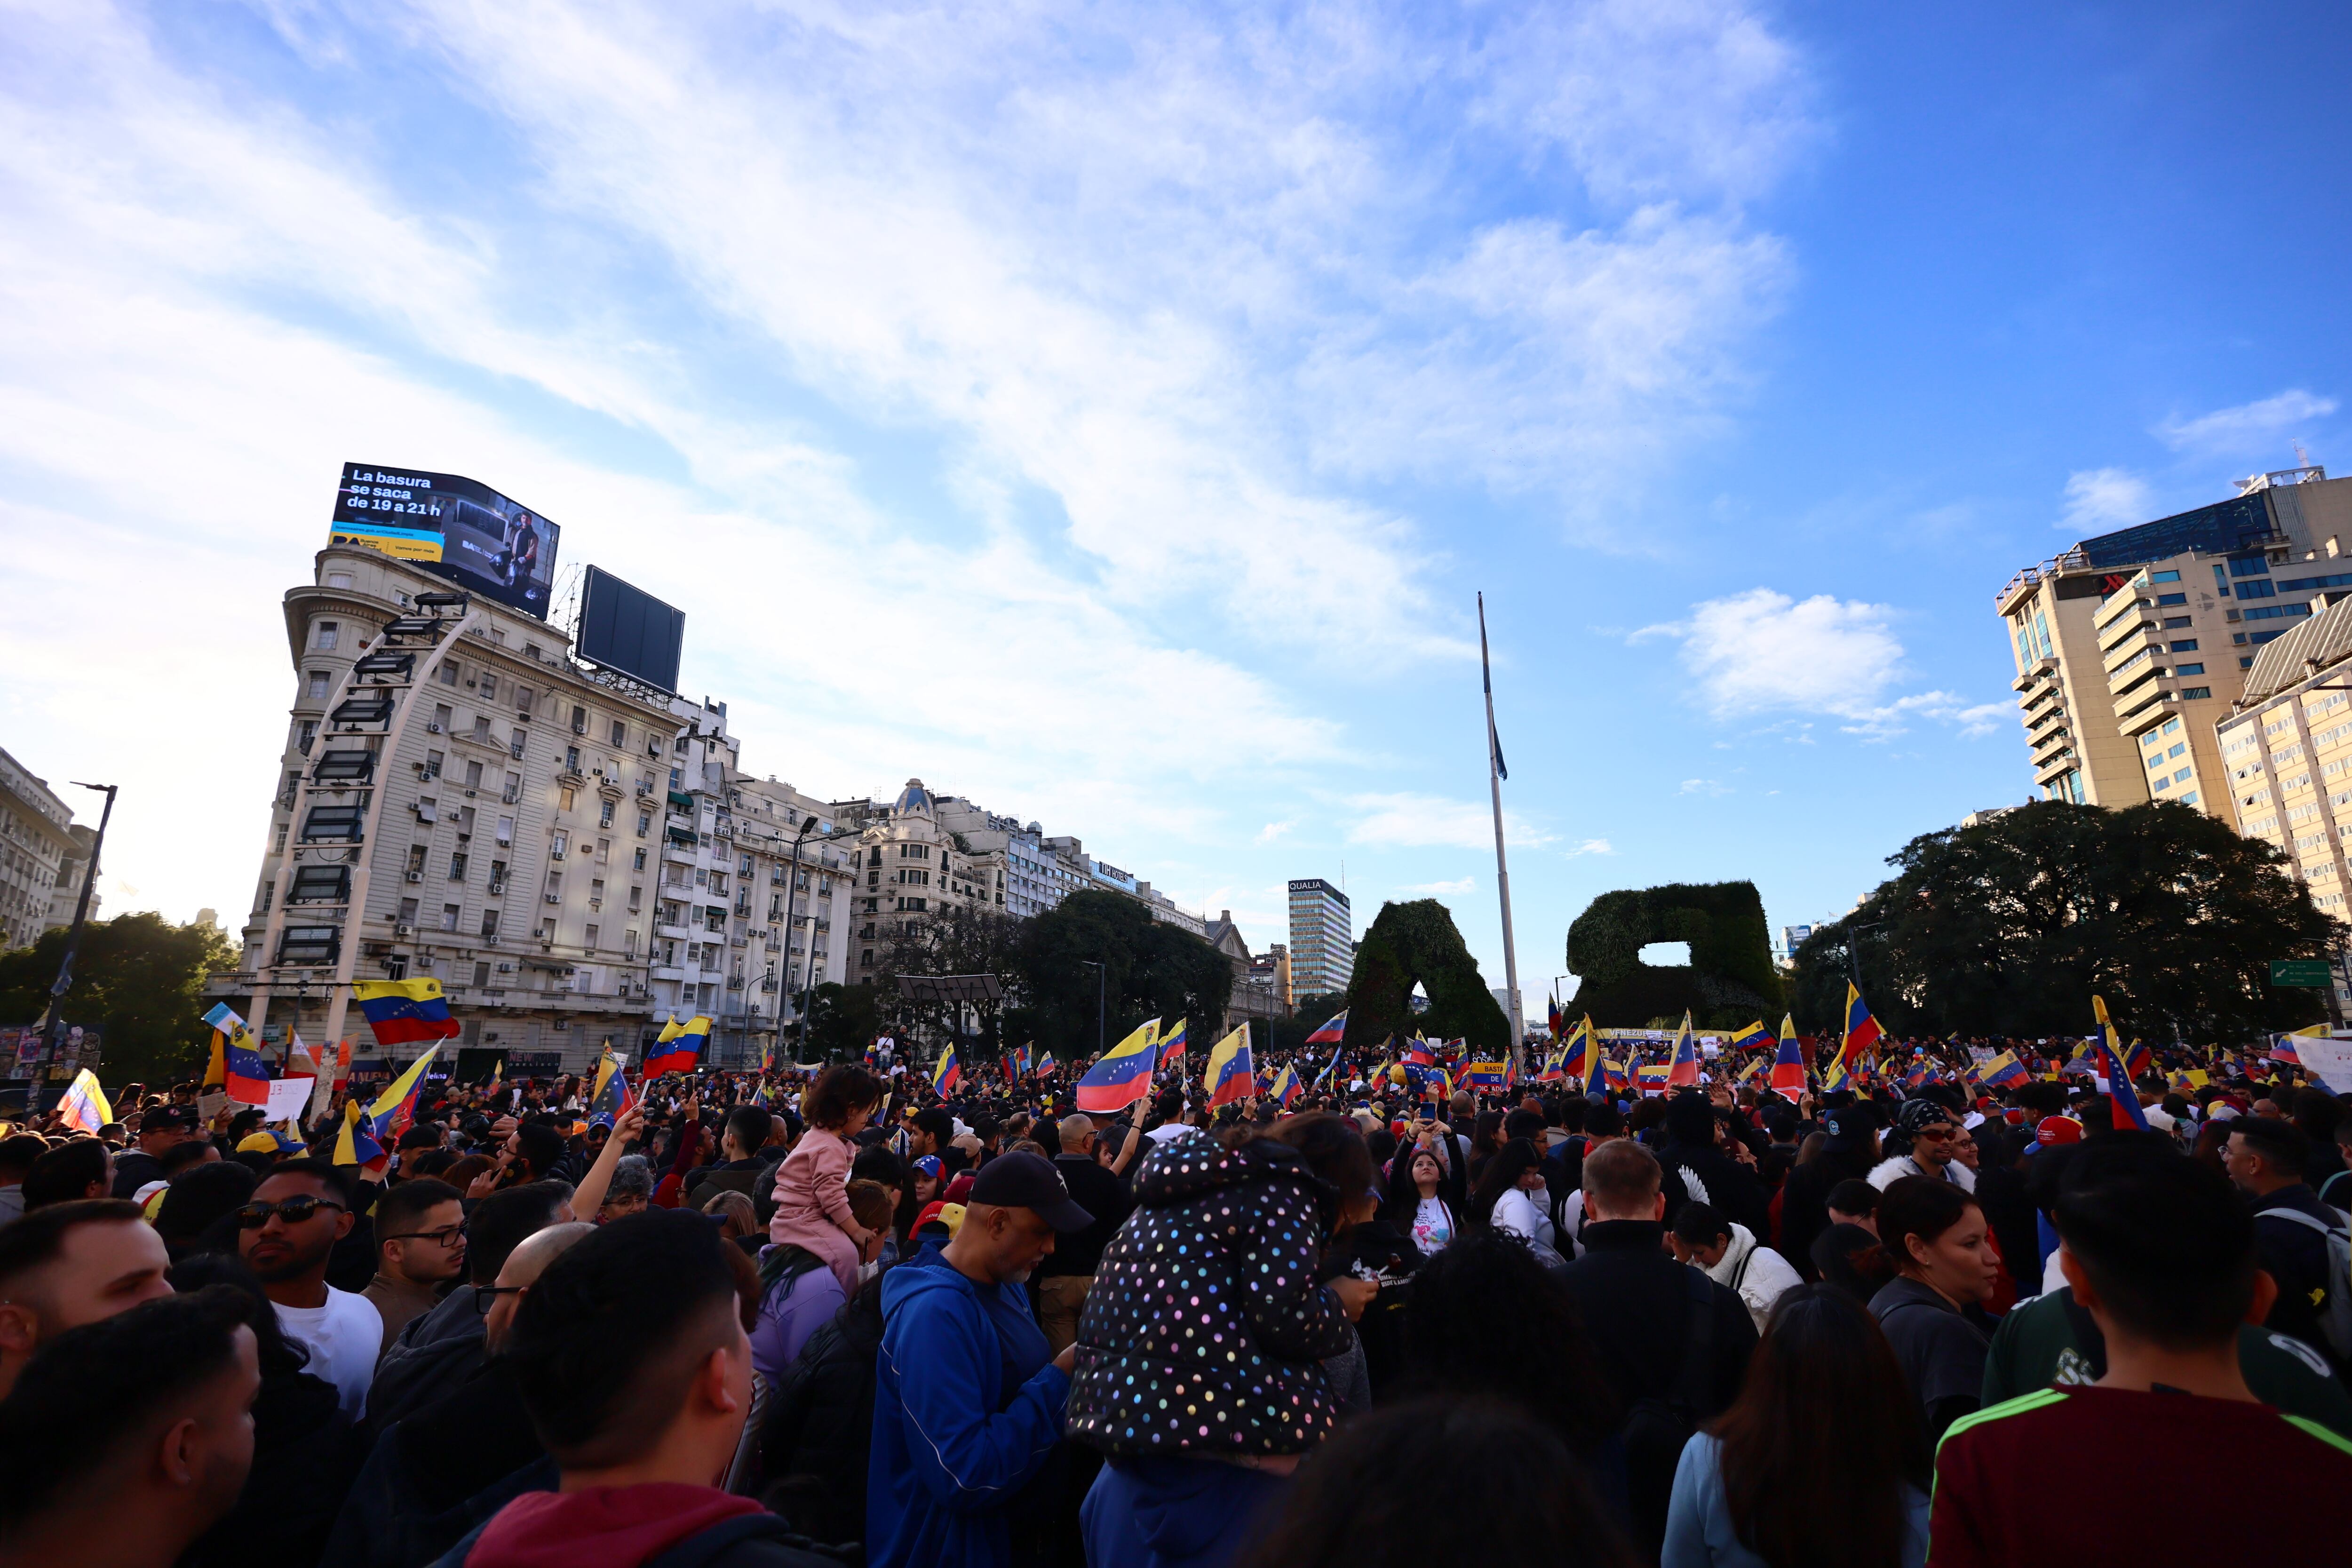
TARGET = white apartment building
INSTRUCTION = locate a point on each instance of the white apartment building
(563, 848)
(43, 854)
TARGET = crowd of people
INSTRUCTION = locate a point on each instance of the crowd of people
(824, 1317)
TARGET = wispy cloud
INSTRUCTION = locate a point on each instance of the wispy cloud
(1760, 652)
(1274, 830)
(1408, 821)
(1704, 786)
(2100, 498)
(2250, 427)
(1442, 889)
(1591, 847)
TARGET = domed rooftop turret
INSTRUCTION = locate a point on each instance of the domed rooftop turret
(913, 801)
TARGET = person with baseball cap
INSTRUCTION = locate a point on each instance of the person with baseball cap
(967, 1398)
(163, 1128)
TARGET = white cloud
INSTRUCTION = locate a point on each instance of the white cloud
(1408, 821)
(1704, 786)
(1592, 847)
(1760, 652)
(2098, 500)
(1442, 889)
(1274, 830)
(2250, 427)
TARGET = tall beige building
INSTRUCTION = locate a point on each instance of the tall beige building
(44, 854)
(2131, 646)
(575, 855)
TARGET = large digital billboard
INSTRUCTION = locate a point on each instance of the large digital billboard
(626, 628)
(463, 530)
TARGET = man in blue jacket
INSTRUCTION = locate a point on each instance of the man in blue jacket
(967, 1398)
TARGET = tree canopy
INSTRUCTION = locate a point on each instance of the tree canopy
(2009, 927)
(1417, 943)
(1728, 981)
(138, 980)
(1149, 968)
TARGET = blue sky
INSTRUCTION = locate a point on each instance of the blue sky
(1109, 412)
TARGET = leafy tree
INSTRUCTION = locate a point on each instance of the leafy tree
(138, 980)
(2008, 927)
(959, 941)
(1149, 967)
(842, 1021)
(1311, 1015)
(1417, 943)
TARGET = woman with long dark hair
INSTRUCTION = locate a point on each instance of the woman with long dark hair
(1945, 1264)
(1510, 1197)
(1416, 1201)
(1821, 1460)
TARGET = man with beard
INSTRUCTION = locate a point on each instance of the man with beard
(285, 1236)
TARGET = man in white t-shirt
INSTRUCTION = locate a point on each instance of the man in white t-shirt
(286, 1234)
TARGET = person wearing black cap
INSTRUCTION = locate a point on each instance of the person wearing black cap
(163, 1127)
(968, 1398)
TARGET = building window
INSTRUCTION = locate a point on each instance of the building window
(457, 867)
(339, 579)
(644, 823)
(637, 861)
(2169, 599)
(317, 689)
(489, 925)
(620, 733)
(2164, 576)
(2195, 694)
(2188, 669)
(592, 936)
(308, 733)
(2188, 799)
(604, 817)
(2186, 644)
(566, 797)
(327, 634)
(2181, 778)
(433, 764)
(407, 915)
(449, 913)
(448, 672)
(2176, 623)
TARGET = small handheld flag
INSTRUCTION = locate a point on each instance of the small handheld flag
(1230, 1077)
(1171, 1047)
(947, 1074)
(612, 1096)
(1789, 1061)
(1862, 1030)
(1585, 1059)
(1683, 1069)
(1124, 1074)
(1754, 1035)
(680, 1047)
(84, 1107)
(355, 1144)
(395, 1107)
(1331, 1033)
(1287, 1087)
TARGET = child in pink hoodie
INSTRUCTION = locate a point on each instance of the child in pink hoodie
(812, 1185)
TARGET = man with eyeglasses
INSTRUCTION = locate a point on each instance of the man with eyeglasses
(285, 1236)
(420, 1248)
(1929, 1127)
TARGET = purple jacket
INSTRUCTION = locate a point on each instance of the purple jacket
(792, 1311)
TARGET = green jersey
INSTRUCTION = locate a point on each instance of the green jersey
(2050, 1342)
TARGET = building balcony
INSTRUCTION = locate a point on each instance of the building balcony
(2138, 704)
(2048, 772)
(2035, 674)
(2057, 742)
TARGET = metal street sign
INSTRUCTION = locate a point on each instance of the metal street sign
(2310, 972)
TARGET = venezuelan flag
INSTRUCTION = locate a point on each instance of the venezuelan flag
(395, 1107)
(1862, 1030)
(1555, 1066)
(947, 1074)
(1419, 1055)
(1754, 1037)
(612, 1096)
(226, 1027)
(1789, 1061)
(1484, 1076)
(2005, 1068)
(403, 1012)
(248, 1075)
(1585, 1059)
(84, 1107)
(1685, 1067)
(1229, 1075)
(356, 1144)
(2123, 1101)
(1655, 1078)
(1045, 1066)
(680, 1048)
(1553, 1020)
(1124, 1074)
(1613, 1075)
(1287, 1087)
(1331, 1033)
(1172, 1046)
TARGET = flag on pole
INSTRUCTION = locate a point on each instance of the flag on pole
(1171, 1047)
(248, 1075)
(1653, 1076)
(611, 1097)
(1754, 1035)
(355, 1144)
(1584, 1053)
(1789, 1061)
(1331, 1033)
(84, 1106)
(2005, 1068)
(1685, 1067)
(395, 1107)
(1862, 1030)
(1554, 1019)
(404, 1011)
(680, 1047)
(1287, 1087)
(1045, 1066)
(1229, 1075)
(1124, 1074)
(947, 1074)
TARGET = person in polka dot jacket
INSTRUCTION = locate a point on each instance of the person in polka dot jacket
(1197, 1370)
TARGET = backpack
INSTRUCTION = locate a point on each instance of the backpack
(1658, 1426)
(2336, 1317)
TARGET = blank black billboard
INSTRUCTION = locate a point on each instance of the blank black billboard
(629, 630)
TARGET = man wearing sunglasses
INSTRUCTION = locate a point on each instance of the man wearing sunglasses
(1930, 1128)
(285, 1236)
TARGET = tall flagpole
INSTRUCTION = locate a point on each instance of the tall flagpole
(1495, 774)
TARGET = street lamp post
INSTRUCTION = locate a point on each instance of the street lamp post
(1102, 983)
(53, 1025)
(1853, 948)
(792, 900)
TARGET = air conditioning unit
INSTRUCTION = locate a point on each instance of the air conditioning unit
(555, 897)
(416, 876)
(509, 796)
(556, 853)
(402, 930)
(506, 968)
(497, 888)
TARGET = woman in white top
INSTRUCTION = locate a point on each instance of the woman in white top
(1416, 1204)
(1510, 1197)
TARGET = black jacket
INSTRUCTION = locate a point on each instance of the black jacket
(1206, 1309)
(434, 1354)
(134, 1169)
(305, 1453)
(2296, 1255)
(1101, 1195)
(819, 1428)
(1805, 1204)
(1636, 1303)
(1714, 1178)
